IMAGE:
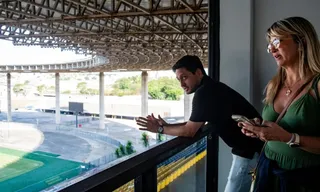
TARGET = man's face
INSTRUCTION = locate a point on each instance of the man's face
(188, 81)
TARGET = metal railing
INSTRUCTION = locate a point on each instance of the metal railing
(142, 168)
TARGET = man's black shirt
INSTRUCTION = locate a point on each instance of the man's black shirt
(215, 103)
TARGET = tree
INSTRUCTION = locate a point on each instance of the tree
(122, 150)
(82, 85)
(50, 89)
(129, 148)
(84, 91)
(89, 91)
(41, 89)
(63, 78)
(66, 92)
(165, 89)
(145, 139)
(19, 89)
(118, 153)
(127, 86)
(92, 91)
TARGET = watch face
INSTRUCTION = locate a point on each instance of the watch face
(160, 129)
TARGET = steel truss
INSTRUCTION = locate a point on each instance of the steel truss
(132, 34)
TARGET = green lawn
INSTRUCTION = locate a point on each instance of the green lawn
(27, 172)
(12, 166)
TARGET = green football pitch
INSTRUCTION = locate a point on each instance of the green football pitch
(35, 171)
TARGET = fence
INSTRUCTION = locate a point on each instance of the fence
(103, 160)
(80, 121)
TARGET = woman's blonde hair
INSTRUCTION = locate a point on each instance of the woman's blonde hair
(304, 34)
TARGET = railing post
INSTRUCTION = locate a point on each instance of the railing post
(212, 163)
(147, 182)
(214, 72)
(214, 40)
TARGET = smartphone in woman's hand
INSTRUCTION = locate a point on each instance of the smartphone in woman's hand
(241, 118)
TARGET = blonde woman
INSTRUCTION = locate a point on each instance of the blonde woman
(291, 158)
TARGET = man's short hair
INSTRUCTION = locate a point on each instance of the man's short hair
(190, 62)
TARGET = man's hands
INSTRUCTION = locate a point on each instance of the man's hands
(150, 123)
(160, 120)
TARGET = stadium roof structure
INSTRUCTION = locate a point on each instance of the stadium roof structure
(121, 34)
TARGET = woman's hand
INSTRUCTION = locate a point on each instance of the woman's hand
(256, 121)
(268, 131)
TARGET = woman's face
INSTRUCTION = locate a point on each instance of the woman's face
(284, 51)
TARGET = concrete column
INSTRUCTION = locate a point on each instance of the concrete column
(187, 106)
(9, 116)
(57, 90)
(144, 93)
(236, 59)
(101, 101)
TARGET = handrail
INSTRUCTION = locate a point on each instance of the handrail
(141, 165)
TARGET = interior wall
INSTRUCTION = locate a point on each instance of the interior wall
(267, 12)
(235, 62)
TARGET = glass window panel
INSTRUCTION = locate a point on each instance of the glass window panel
(184, 171)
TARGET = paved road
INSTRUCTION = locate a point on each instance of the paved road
(68, 146)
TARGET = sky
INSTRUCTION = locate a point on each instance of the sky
(10, 54)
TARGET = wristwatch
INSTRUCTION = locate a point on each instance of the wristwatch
(160, 129)
(294, 141)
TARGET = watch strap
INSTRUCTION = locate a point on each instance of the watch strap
(296, 141)
(292, 139)
(297, 138)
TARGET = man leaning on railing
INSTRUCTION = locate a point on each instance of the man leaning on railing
(214, 103)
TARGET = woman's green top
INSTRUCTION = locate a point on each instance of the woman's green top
(303, 118)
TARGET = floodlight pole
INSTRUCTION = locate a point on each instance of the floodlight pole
(76, 119)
